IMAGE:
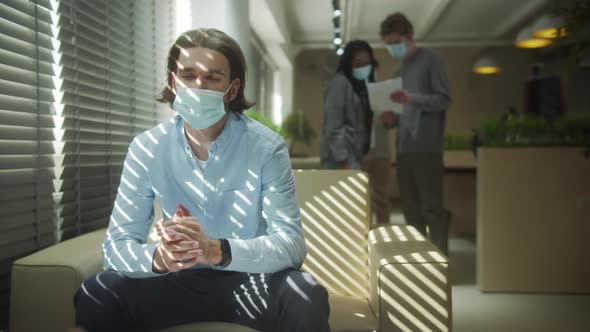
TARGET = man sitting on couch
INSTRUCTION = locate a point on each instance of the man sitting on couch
(232, 241)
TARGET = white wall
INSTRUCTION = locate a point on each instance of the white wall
(269, 21)
(231, 17)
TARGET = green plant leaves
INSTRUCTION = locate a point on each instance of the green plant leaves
(572, 129)
(297, 128)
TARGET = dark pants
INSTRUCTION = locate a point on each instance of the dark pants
(284, 301)
(420, 177)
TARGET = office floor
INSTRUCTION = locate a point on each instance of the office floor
(474, 311)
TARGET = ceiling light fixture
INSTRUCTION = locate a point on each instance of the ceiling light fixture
(549, 26)
(336, 20)
(486, 65)
(525, 39)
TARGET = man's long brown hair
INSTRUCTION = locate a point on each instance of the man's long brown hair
(216, 40)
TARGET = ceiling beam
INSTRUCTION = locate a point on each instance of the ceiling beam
(267, 21)
(526, 12)
(447, 43)
(465, 43)
(261, 49)
(350, 20)
(433, 19)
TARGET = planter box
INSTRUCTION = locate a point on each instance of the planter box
(533, 220)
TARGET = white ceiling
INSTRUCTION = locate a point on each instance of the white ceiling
(436, 22)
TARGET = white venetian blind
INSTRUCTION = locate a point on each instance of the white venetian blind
(110, 68)
(78, 80)
(26, 133)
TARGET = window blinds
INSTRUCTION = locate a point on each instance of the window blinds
(26, 133)
(78, 80)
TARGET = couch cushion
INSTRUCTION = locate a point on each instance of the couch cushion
(346, 314)
(75, 253)
(43, 284)
(335, 214)
(413, 277)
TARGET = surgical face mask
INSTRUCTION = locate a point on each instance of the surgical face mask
(362, 73)
(200, 108)
(397, 50)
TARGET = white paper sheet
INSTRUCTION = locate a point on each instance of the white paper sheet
(379, 93)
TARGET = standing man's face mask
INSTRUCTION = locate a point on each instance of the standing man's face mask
(200, 108)
(362, 73)
(397, 50)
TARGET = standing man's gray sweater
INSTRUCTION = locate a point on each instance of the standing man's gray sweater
(421, 125)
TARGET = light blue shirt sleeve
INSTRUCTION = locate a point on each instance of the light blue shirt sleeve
(124, 246)
(284, 246)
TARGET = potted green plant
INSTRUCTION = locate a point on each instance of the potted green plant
(296, 128)
(457, 142)
(570, 130)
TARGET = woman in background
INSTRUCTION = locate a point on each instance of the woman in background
(349, 140)
(346, 129)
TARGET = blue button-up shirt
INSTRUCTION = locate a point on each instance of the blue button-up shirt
(244, 192)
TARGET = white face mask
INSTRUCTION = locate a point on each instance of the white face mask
(397, 50)
(362, 73)
(200, 108)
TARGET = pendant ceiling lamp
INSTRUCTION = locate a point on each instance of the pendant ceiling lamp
(486, 65)
(549, 26)
(526, 39)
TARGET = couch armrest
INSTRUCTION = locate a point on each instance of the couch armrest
(43, 284)
(409, 286)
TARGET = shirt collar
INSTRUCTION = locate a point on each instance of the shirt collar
(221, 142)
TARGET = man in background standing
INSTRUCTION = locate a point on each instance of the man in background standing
(420, 129)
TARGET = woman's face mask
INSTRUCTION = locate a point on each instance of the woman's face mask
(362, 73)
(200, 108)
(361, 64)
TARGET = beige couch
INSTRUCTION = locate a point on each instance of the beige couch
(386, 279)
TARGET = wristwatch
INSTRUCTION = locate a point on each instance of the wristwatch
(225, 253)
